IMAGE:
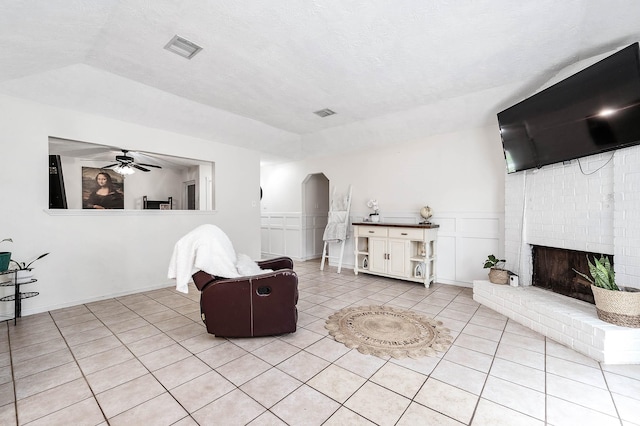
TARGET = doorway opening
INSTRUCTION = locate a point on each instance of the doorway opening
(315, 210)
(190, 195)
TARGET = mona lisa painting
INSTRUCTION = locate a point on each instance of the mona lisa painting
(102, 189)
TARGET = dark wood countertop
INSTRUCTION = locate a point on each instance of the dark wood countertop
(398, 225)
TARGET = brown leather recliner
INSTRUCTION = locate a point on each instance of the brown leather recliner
(259, 305)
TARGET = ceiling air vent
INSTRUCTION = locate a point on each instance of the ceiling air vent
(183, 47)
(324, 112)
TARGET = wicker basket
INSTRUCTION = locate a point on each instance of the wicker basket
(617, 307)
(498, 276)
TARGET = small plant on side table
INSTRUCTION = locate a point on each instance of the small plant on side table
(375, 216)
(24, 271)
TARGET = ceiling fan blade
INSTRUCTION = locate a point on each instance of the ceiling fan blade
(140, 168)
(110, 165)
(150, 165)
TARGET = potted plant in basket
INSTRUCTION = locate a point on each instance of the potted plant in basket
(614, 304)
(497, 274)
(5, 257)
(375, 216)
(24, 271)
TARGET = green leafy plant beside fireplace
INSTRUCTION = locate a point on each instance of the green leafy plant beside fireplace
(497, 274)
(493, 262)
(602, 274)
(614, 304)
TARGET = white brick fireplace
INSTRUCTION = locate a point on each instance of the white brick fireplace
(593, 210)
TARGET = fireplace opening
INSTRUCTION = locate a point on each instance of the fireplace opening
(553, 270)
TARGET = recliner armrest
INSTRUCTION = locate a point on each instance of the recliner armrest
(201, 279)
(276, 263)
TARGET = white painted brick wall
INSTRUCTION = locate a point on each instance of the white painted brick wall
(626, 218)
(599, 212)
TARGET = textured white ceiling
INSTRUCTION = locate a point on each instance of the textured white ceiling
(434, 66)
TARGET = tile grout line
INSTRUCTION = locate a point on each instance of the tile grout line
(546, 393)
(13, 376)
(78, 365)
(141, 363)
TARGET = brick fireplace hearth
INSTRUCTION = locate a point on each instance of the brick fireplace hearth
(572, 322)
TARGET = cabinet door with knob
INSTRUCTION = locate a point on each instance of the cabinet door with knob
(398, 258)
(378, 255)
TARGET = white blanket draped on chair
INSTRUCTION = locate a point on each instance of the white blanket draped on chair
(207, 248)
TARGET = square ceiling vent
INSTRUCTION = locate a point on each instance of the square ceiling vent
(324, 112)
(183, 47)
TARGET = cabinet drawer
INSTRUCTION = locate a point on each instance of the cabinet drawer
(408, 233)
(372, 231)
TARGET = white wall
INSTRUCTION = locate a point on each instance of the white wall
(97, 255)
(460, 175)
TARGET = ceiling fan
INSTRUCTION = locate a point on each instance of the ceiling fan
(125, 164)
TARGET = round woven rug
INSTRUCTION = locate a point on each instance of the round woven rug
(385, 331)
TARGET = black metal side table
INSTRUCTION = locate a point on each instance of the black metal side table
(17, 296)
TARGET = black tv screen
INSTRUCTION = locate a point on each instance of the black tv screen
(593, 111)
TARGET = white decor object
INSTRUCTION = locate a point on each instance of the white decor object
(24, 275)
(373, 204)
(375, 216)
(426, 212)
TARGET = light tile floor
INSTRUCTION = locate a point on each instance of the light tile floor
(146, 359)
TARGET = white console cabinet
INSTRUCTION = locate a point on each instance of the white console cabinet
(403, 251)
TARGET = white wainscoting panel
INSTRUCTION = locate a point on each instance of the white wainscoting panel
(281, 235)
(446, 265)
(475, 236)
(313, 229)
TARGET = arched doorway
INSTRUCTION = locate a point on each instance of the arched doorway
(315, 208)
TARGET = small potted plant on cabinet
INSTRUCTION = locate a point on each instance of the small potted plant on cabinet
(497, 274)
(24, 271)
(614, 304)
(5, 257)
(375, 216)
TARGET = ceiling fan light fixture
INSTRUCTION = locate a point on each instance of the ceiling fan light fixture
(183, 47)
(124, 169)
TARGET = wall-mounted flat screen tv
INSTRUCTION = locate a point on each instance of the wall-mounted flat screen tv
(593, 111)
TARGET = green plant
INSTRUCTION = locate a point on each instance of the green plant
(25, 265)
(493, 262)
(602, 274)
